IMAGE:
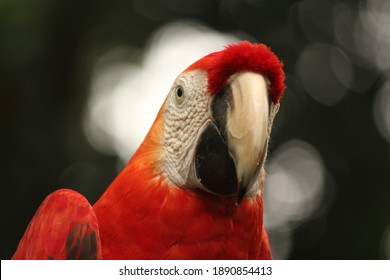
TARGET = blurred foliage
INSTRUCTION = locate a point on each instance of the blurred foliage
(47, 52)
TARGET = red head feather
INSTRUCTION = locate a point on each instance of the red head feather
(243, 56)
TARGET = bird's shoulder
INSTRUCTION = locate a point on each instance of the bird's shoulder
(64, 227)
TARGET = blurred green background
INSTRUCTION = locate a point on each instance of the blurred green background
(328, 191)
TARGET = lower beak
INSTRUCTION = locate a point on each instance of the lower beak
(232, 148)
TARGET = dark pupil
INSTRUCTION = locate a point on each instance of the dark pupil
(179, 92)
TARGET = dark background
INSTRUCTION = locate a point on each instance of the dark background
(47, 53)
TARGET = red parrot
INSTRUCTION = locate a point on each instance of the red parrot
(193, 189)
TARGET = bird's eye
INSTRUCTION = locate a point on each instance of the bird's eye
(179, 94)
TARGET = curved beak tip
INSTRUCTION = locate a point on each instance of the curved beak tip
(241, 193)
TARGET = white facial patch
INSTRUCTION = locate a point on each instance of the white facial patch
(186, 111)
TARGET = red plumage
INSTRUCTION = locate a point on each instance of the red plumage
(166, 222)
(64, 227)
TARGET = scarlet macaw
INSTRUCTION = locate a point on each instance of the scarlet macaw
(193, 189)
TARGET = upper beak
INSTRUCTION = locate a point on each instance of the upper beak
(232, 148)
(247, 127)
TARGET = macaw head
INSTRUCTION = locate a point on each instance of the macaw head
(212, 132)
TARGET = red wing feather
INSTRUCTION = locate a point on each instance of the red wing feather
(64, 227)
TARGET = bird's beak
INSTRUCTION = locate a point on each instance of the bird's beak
(232, 147)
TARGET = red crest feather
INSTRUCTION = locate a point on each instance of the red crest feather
(243, 56)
